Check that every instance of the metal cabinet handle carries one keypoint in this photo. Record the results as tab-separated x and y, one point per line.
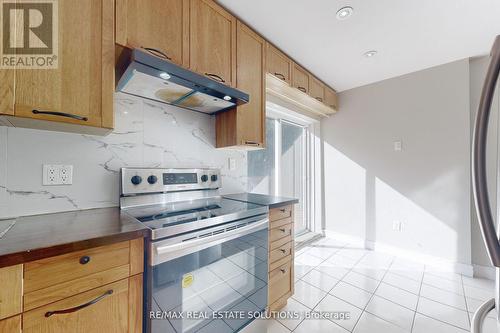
215	76
479	179
61	114
302	89
319	99
79	307
282	229
283	270
84	260
252	143
282	250
157	52
280	76
282	210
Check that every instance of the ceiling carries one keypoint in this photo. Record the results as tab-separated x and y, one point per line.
409	35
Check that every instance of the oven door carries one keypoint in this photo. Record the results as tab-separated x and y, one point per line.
211	281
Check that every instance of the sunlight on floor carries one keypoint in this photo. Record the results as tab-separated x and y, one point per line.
382	293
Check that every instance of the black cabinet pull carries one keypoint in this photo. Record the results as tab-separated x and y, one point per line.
252	143
215	76
280	76
282	250
302	89
79	307
157	52
319	99
282	229
283	270
61	114
282	210
84	260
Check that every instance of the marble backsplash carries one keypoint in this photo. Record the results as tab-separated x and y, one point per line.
147	134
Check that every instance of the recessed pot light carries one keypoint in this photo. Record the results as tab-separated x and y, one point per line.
165	75
370	54
344	12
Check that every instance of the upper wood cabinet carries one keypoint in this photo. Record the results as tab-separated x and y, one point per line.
80	90
300	78
316	89
212	41
160	25
331	98
245	125
278	64
7	91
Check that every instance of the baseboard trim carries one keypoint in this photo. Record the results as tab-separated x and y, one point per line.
433	261
485	272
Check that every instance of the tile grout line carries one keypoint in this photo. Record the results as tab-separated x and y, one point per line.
371	297
418	300
465	300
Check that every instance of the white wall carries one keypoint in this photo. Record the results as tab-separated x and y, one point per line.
426	186
147	134
478	68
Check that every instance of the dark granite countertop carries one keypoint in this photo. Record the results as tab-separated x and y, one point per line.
35	237
262	199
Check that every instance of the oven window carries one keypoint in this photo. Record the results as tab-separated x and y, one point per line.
223	279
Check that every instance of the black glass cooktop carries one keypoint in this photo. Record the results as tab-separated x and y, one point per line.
167	215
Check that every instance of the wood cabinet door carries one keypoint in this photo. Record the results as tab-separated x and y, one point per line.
80	89
11	291
161	25
300	78
250	78
11	325
104	309
212	42
278	64
7	91
331	98
316	89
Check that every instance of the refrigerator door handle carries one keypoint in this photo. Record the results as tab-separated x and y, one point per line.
480	315
479	179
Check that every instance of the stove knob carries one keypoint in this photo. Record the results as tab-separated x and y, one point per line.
204	178
136	180
214	178
152	179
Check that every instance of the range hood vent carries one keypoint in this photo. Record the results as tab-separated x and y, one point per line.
155	78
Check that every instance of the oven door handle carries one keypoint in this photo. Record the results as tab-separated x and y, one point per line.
205	242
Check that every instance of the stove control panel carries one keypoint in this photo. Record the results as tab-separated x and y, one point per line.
156	180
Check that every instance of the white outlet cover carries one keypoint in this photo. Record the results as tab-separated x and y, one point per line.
56	174
398	146
66	174
232	164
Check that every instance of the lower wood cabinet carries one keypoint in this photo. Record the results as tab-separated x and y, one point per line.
93	290
281	257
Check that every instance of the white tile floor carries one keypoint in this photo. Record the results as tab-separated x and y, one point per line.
381	293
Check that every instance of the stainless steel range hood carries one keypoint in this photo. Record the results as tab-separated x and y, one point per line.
155	78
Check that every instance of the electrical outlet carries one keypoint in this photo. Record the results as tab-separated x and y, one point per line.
66	174
396	226
55	174
398	146
232	164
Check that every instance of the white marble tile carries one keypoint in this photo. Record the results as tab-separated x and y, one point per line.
308	294
320	280
474	304
369	323
334	304
479	283
332	270
402	282
478	293
351	294
319	325
391	312
443	296
320	252
374	273
341	261
361	281
445	284
264	326
295	307
397	295
424	324
307	259
445	313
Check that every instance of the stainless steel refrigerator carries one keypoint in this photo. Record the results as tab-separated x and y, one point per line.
480	186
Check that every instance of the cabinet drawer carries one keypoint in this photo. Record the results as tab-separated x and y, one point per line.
280	232
11	291
55	270
103	309
280	213
280	252
280	282
11	325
